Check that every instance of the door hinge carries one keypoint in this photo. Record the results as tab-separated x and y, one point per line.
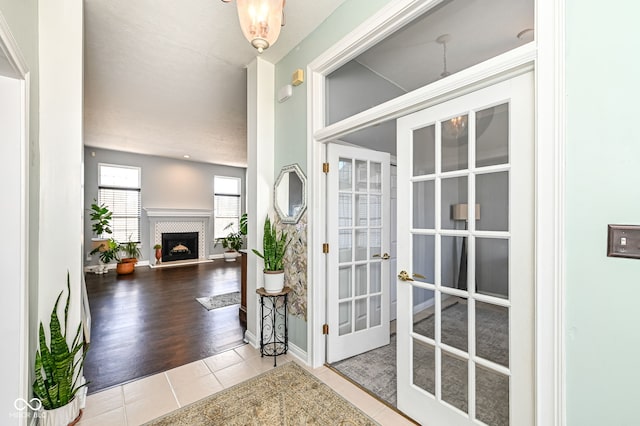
325	167
325	329
325	248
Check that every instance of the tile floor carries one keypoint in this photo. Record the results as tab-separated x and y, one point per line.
145	399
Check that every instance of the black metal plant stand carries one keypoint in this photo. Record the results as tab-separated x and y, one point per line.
274	331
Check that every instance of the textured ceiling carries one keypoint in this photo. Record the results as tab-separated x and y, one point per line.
168	78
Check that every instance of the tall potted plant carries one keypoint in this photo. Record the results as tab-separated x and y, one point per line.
101	217
274	248
58	370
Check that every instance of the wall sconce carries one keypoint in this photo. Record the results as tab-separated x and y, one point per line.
260	21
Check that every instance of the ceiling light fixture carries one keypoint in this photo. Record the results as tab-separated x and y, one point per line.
260	21
186	156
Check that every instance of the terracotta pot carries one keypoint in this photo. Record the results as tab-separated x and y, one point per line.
129	260
123	268
158	256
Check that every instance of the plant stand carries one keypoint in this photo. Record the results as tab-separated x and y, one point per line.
274	332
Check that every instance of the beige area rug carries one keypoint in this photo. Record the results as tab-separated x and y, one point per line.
286	395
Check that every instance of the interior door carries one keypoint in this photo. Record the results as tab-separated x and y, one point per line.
465	284
358	236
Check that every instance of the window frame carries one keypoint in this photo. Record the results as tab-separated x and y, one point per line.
226	194
137	188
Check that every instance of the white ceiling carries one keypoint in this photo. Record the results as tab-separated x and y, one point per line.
168	78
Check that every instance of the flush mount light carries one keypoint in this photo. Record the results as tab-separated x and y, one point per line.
186	156
260	21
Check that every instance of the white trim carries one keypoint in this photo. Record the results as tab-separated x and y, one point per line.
10	49
220	256
298	352
550	215
550	141
503	67
251	339
167	212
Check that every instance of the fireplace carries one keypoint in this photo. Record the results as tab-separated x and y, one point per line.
179	246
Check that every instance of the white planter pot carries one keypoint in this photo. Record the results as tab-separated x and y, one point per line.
273	281
230	256
62	416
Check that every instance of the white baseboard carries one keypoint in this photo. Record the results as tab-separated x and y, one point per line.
219	256
251	339
299	353
424	305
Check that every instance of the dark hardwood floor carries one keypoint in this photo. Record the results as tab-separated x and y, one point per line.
150	321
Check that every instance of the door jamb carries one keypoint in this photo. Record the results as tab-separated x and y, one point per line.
547	55
9	47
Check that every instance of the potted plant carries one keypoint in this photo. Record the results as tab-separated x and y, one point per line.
274	248
158	249
101	217
126	265
58	370
108	252
231	243
131	251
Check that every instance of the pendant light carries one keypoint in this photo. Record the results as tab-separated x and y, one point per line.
260	21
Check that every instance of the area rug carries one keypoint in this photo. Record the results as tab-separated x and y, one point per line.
376	370
285	395
220	301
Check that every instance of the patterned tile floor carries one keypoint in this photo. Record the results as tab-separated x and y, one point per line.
151	397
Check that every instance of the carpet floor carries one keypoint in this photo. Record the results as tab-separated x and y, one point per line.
376	370
286	395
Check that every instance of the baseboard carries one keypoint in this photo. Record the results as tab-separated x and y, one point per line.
299	353
219	256
424	305
251	339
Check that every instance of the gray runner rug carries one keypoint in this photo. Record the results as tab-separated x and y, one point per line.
219	301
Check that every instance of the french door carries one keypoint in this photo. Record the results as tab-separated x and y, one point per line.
358	234
465	258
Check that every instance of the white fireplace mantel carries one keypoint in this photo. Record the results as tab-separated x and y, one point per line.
168	212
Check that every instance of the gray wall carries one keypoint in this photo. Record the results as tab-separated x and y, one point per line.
354	88
166	183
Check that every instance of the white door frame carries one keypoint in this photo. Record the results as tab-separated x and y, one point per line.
17	69
546	56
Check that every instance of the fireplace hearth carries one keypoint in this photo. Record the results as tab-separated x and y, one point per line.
179	246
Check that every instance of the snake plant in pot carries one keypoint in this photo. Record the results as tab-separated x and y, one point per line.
58	370
274	248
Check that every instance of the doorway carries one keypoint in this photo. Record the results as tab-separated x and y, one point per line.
458	317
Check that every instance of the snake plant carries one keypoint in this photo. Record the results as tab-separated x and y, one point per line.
273	247
58	367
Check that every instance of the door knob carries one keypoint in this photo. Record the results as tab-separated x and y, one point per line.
384	256
404	276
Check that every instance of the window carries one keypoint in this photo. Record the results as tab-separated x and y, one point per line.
226	201
119	190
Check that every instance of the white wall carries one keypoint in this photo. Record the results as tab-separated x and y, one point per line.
60	201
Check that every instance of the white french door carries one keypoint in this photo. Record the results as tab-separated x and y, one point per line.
358	236
465	275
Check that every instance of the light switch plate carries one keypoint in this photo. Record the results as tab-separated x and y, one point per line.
624	241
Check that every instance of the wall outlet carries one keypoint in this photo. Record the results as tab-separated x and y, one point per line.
88	257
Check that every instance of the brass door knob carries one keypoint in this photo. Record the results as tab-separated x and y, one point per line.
384	256
404	276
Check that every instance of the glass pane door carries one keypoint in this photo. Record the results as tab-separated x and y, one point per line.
464	240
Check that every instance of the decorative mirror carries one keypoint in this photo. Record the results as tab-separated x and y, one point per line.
290	194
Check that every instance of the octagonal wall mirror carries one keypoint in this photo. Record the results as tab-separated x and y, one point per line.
290	194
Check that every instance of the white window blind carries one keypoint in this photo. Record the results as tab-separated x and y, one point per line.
119	190
227	205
